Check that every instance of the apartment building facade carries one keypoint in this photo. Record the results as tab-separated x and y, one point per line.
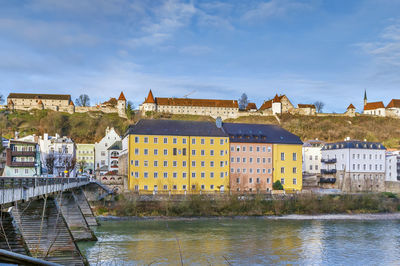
85	155
178	157
22	159
312	156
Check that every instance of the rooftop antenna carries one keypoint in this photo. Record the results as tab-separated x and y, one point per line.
185	96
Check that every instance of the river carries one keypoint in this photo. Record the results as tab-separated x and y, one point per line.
251	241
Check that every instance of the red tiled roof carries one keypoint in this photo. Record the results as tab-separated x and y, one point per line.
306	106
39	96
40	102
111	102
394	103
374	105
266	105
351	106
71	103
150	98
277	99
197	102
122	97
251	106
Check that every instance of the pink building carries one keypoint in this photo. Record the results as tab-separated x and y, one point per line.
251	164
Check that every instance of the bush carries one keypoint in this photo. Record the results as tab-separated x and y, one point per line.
277	185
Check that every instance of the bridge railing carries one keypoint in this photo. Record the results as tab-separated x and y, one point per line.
22	188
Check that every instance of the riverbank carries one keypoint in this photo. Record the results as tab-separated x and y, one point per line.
128	205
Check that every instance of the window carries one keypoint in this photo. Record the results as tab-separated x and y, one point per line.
258	180
183	163
145	175
155	163
193	141
269	149
174	187
184	175
221	174
282	181
212	164
311	167
294	181
202	175
136	187
203	187
212	175
238	170
221	163
145	187
136	139
250	160
212	141
282	170
244	159
146	140
155	140
264	160
155	152
263	149
203	163
136	174
165	140
282	156
238	180
184	151
165	187
294	156
137	163
193	187
212	152
136	151
184	141
258	160
268	180
202	152
174	163
165	151
146	152
165	175
165	163
202	141
174	151
221	141
193	163
174	140
294	170
211	186
250	180
103	153
174	174
221	153
193	152
193	174
155	174
258	149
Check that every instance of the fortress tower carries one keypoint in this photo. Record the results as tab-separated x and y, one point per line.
121	105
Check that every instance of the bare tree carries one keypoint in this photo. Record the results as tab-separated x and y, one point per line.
319	106
243	101
69	162
1	99
49	161
81	165
83	100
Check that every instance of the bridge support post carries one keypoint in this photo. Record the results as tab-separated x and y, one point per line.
84	207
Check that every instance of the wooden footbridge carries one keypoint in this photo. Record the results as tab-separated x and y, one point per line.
41	219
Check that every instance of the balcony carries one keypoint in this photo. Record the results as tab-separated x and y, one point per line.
328	171
22	164
327	180
23	153
329	160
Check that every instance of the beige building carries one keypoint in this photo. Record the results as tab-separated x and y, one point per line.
62	103
207	107
306	109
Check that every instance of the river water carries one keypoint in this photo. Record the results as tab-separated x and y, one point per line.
251	241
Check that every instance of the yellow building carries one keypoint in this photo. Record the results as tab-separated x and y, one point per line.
287	162
178	156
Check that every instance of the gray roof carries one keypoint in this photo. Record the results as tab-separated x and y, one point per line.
176	128
259	133
354	144
116	145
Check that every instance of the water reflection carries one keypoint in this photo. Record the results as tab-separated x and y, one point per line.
252	241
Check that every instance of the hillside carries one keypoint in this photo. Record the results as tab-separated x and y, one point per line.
90	127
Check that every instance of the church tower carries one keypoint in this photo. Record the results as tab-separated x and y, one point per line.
365	98
121	105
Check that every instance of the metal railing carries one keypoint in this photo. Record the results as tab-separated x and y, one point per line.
328	172
333	160
21	188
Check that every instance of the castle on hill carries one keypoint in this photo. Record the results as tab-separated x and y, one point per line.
63	103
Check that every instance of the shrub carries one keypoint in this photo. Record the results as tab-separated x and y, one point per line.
277	185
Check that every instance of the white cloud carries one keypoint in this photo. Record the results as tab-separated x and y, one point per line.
273	8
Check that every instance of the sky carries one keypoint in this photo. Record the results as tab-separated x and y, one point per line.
329	51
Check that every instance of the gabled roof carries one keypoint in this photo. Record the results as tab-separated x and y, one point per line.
122	97
259	133
394	103
197	102
40	102
39	96
306	106
150	98
374	105
251	106
71	103
266	105
175	128
111	102
351	106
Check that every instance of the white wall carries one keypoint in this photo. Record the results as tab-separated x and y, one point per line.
312	160
391	167
101	153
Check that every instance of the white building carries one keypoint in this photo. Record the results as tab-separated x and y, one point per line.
354	165
114	152
101	150
393	108
393	166
375	108
63	150
312	156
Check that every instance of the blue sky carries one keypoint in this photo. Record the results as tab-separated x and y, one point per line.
309	50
